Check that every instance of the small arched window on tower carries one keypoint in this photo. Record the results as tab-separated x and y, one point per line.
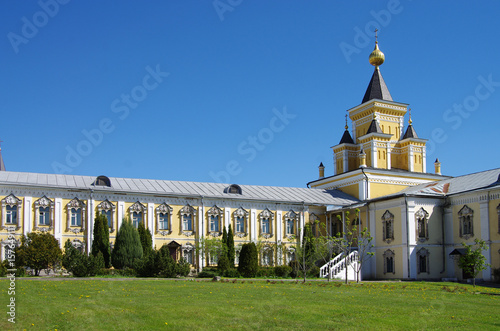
233	189
102	181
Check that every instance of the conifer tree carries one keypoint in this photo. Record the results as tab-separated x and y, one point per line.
146	239
100	242
230	247
128	246
249	261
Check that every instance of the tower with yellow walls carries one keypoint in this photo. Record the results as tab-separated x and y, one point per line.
378	156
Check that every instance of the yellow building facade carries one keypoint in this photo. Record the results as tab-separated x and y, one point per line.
418	219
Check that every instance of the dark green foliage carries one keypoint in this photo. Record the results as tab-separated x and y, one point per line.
128	246
232	273
183	268
295	268
147	266
207	274
79	264
3	268
473	261
313	272
166	265
38	251
248	262
282	271
100	243
146	239
223	263
266	272
224	236
230	247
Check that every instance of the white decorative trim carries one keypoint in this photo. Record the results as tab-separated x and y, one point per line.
466	219
80	206
388	227
106	205
187	210
44	202
240	213
266	214
165	210
11	201
218	214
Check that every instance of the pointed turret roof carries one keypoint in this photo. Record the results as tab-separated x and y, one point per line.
377	88
410	133
374	127
346	138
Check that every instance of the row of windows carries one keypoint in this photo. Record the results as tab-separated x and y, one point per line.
422	261
44	208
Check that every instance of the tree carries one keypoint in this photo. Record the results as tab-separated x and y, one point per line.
146	239
248	263
230	247
473	260
38	251
128	246
348	240
309	251
209	246
100	242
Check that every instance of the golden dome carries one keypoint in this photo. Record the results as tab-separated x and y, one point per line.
376	57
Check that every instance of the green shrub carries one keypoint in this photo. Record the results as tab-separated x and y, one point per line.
313	272
21	272
3	268
207	274
295	268
128	246
266	272
248	262
282	271
167	268
222	263
183	268
232	273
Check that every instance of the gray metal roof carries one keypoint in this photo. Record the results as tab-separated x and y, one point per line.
456	185
377	89
178	188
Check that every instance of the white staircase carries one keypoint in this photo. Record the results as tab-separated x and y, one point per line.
337	266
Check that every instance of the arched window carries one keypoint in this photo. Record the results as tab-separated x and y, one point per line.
267	256
107	209
187	214
44	214
11	209
240	217
421	220
215	215
137	212
389	266
76	215
233	189
291	221
466	226
423	260
163	219
102	181
388	226
266	223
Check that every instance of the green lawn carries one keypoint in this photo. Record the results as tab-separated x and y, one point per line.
152	304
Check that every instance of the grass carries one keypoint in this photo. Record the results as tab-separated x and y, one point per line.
152	304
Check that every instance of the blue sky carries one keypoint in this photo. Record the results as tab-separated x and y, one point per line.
247	92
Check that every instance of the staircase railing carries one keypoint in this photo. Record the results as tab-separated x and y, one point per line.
338	265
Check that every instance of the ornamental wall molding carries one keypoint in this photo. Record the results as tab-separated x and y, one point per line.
106	205
80	206
137	207
187	210
187	233
215	211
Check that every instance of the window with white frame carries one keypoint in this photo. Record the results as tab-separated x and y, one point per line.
188	252
163	219
314	221
266	223
291	221
80	246
267	256
290	255
44	214
466	226
388	226
187	214
76	215
137	212
107	209
214	215
11	207
240	217
421	220
423	261
498	212
389	267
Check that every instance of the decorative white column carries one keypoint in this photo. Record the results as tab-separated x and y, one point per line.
485	235
121	215
200	232
279	224
374	155
227	218
373	231
151	221
448	241
424	159
90	224
346	160
388	152
253	225
410	158
27	215
58	221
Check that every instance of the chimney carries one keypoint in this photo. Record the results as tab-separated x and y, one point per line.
437	167
321	170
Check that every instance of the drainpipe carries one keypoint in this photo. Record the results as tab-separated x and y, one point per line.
407	235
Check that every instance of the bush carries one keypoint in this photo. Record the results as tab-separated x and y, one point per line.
167	268
496	274
21	272
38	251
147	266
128	246
313	272
295	268
222	263
207	274
183	268
282	271
232	273
3	268
266	272
248	262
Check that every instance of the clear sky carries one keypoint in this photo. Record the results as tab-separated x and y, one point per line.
240	91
